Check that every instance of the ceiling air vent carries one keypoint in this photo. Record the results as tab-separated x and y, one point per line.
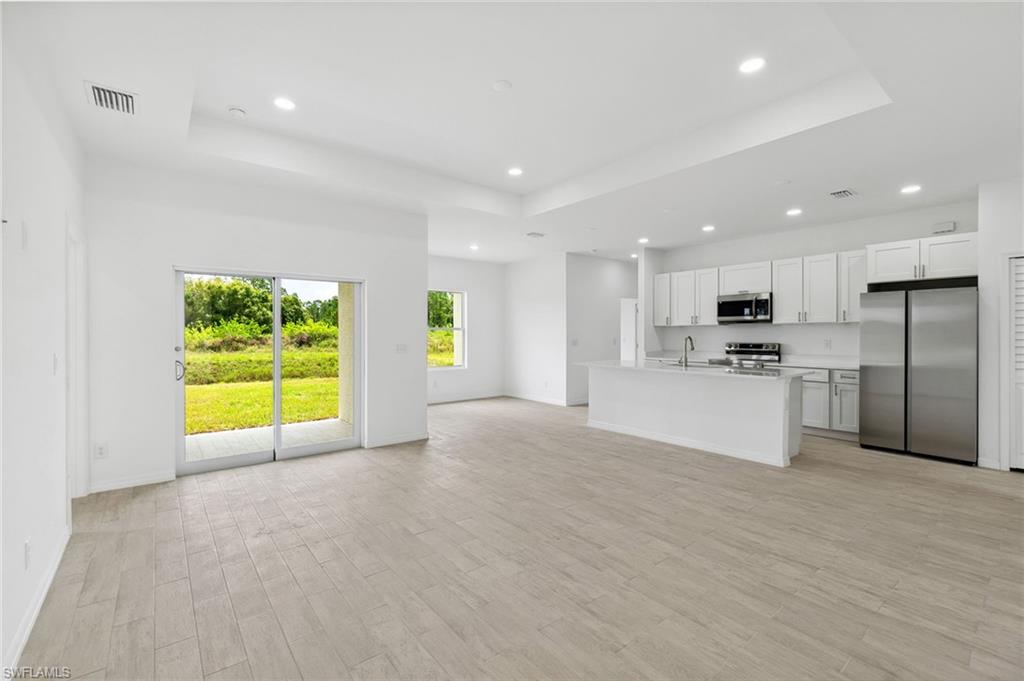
843	194
114	100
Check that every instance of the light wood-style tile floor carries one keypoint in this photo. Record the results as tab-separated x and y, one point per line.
518	544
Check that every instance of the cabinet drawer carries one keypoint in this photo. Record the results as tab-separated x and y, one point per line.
845	376
819	376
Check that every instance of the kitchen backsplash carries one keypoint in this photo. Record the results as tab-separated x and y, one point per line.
796	339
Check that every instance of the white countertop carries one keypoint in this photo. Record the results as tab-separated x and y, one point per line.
847	362
700	369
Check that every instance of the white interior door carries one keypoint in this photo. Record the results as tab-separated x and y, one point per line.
628	316
1017	361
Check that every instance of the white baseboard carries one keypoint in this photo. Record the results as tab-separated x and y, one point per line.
465	397
748	455
132	481
394	440
12	658
539	398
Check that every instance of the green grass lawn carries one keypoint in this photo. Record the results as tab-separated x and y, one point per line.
440	348
229	406
257	364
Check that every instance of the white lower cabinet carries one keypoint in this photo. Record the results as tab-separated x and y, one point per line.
816	404
845	407
831	400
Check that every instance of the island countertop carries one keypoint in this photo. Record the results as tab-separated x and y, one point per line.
702	370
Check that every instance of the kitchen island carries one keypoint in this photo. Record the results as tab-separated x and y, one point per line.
744	413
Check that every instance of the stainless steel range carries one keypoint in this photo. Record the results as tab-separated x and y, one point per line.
750	355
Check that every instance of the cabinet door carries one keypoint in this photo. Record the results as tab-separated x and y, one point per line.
949	255
706	296
754	277
820	281
845	406
682	299
815	404
852	282
788	291
662	299
894	261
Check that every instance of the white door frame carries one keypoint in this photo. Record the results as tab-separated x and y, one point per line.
277	452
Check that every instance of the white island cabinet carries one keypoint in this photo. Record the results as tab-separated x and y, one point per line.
753	416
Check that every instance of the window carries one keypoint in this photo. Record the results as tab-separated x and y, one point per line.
446	335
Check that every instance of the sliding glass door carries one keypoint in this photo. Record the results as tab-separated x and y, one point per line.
265	367
318	351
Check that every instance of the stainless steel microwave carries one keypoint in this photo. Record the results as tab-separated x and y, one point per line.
745	307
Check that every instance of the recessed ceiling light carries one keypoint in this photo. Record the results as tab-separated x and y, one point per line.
793	212
642	240
752	65
708	228
515	171
284	104
911	189
501	85
634	255
236	112
474	247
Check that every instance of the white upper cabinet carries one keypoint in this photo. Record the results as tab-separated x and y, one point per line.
894	261
937	257
662	299
706	297
755	277
853	281
683	307
949	255
804	289
820	288
788	291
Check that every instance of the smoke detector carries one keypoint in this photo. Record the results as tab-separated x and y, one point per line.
843	194
111	99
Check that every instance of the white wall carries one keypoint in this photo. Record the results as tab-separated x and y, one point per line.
1000	234
143	223
484	373
535	329
42	204
805	339
594	287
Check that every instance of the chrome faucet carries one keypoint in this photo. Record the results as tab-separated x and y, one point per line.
685	359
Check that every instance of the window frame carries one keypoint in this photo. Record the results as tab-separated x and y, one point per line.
463	328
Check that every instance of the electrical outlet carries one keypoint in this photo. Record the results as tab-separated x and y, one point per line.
828	343
28	552
101	452
401	348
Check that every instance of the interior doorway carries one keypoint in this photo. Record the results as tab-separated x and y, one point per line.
266	367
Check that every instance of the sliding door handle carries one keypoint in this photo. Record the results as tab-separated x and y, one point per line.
179	370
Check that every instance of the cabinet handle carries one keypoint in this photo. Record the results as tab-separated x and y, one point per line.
915	271
922	271
844	315
835	390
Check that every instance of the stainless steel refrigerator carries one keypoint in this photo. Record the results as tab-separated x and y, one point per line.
919	371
